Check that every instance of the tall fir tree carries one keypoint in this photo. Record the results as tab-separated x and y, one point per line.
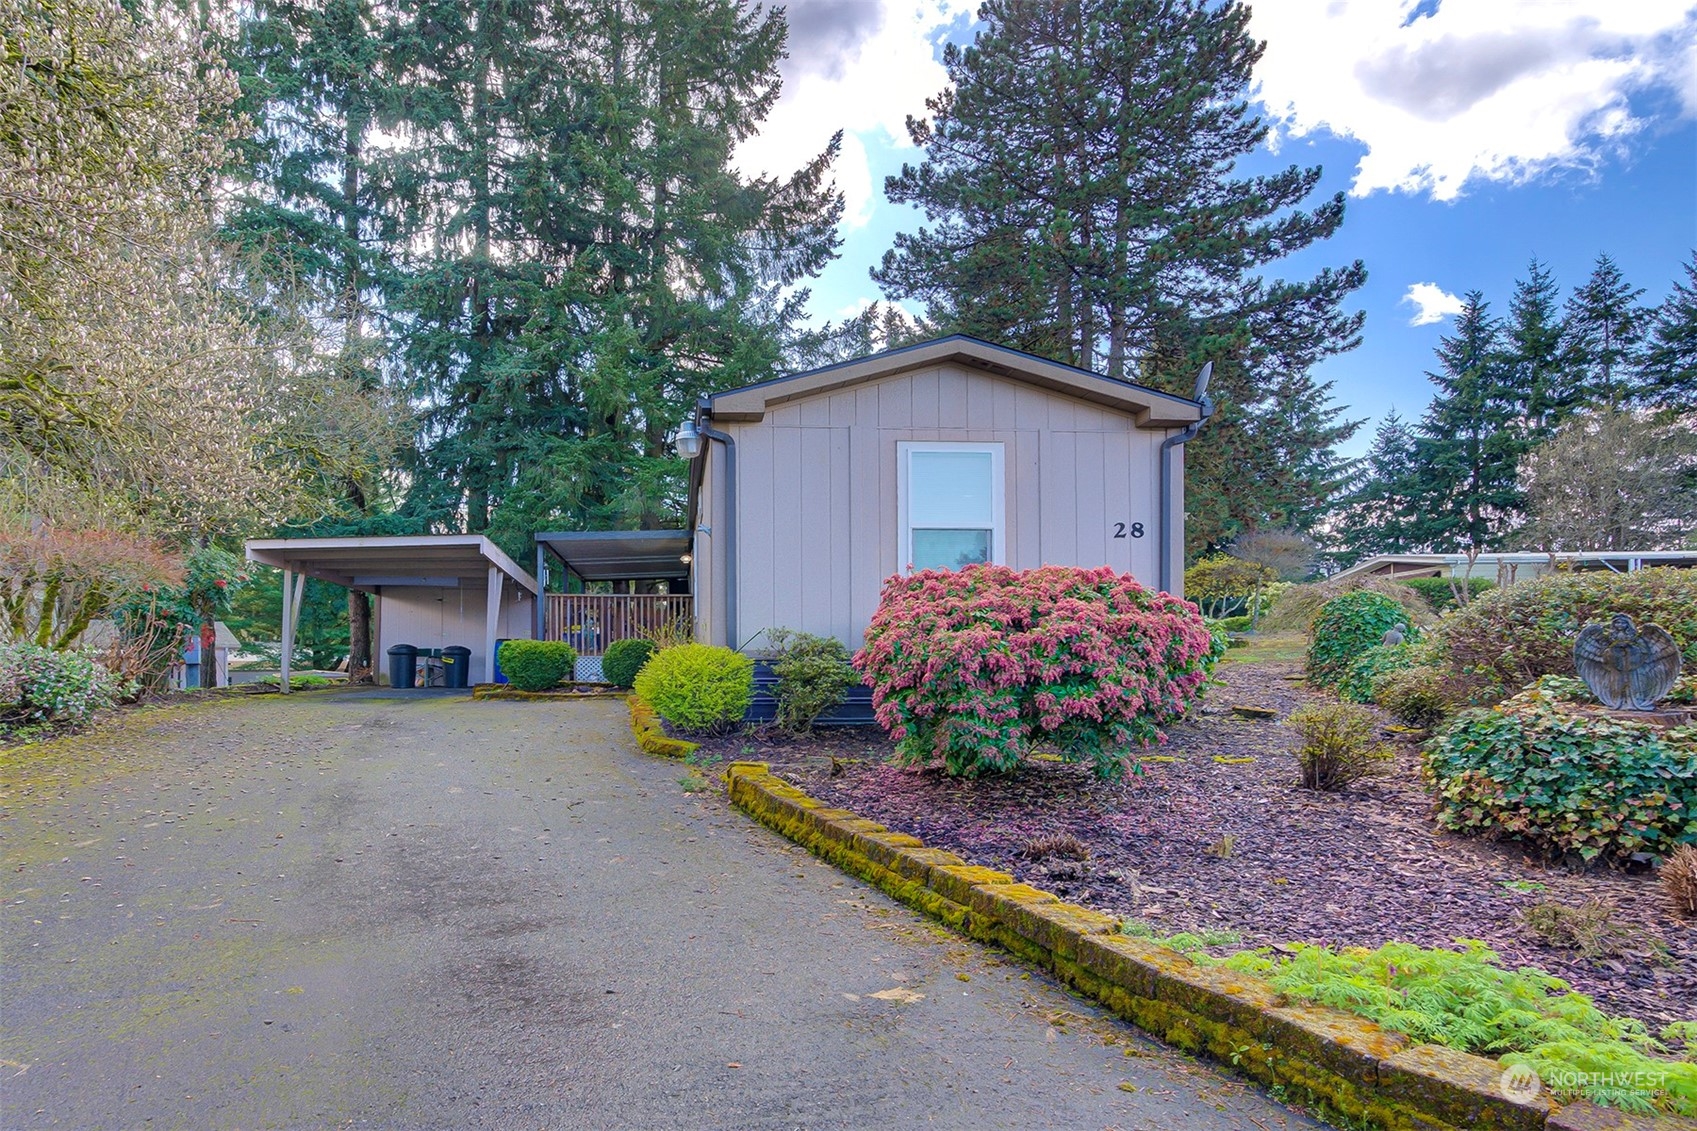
583	260
1079	184
1670	361
1604	333
1377	515
310	203
1467	453
1537	360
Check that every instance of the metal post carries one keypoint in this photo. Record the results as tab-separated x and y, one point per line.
492	624
288	626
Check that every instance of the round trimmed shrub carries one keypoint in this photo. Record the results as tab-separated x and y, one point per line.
697	687
623	659
973	668
1509	637
1346	627
537	665
44	687
1539	769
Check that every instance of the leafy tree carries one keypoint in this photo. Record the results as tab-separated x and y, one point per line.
1670	362
581	260
1078	183
1605	331
1613	480
1221	584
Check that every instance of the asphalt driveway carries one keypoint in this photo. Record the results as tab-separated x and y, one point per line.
345	910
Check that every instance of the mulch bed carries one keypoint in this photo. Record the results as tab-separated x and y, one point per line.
1362	867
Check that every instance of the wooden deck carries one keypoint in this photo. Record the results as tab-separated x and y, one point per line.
591	621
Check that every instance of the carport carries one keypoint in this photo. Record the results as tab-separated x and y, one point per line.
453	588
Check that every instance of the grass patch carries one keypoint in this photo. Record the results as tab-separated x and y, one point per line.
1262	648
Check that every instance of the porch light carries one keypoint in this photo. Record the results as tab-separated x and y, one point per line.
686	558
688	440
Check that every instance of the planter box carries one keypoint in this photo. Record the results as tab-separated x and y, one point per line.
854	711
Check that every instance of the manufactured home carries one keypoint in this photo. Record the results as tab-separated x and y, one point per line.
808	491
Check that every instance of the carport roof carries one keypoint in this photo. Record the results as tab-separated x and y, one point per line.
370	563
621	555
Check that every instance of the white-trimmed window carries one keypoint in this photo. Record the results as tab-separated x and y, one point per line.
950	504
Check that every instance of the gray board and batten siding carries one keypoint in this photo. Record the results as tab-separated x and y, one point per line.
818	526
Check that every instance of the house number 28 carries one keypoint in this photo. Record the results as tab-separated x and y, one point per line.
1120	530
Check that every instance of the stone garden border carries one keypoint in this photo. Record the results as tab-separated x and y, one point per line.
508	691
1348	1063
651	736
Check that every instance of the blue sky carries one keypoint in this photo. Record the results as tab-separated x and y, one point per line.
1471	135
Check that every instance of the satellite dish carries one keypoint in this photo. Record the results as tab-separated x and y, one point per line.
1202	381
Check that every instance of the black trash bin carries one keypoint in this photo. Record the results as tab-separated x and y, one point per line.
456	666
403	665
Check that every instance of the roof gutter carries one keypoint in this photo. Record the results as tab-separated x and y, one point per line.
1168	517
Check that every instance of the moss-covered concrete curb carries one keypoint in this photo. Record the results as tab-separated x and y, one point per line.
507	691
651	736
1350	1064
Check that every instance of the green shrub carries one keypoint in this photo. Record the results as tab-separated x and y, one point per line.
697	687
43	687
537	665
1509	637
1234	624
623	659
1337	746
1414	695
1356	686
814	675
1464	1000
1536	769
1439	592
1346	627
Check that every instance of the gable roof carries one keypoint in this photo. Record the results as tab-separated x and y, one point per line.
1150	407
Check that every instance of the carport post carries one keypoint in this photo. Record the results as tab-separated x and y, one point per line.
491	624
288	627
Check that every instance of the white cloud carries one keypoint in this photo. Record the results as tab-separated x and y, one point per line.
1496	89
1431	304
861	66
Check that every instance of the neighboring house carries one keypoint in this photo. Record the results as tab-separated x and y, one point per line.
810	490
1507	568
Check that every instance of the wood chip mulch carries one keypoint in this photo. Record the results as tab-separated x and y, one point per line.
1215	833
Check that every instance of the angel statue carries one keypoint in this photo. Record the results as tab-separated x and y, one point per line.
1626	667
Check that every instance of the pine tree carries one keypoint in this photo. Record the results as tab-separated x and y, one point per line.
310	203
1538	365
585	262
1377	515
1078	180
1605	330
1670	362
1470	441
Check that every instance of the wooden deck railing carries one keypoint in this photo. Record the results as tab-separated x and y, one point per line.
591	621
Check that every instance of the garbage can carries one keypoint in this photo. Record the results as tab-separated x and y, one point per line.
500	676
403	665
456	666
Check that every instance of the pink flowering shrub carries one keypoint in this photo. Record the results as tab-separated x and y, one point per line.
974	668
